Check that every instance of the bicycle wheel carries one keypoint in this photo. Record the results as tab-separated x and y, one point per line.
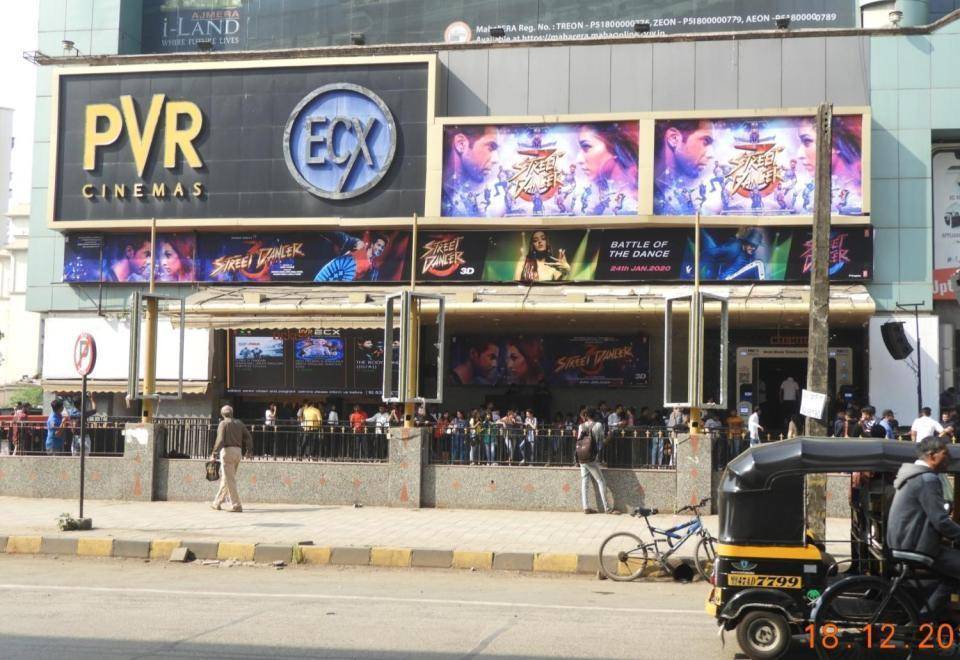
704	556
623	557
846	609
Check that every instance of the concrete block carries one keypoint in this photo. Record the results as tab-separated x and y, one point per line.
202	549
555	563
58	545
312	554
432	558
238	551
266	553
23	545
513	561
131	549
181	554
350	556
588	563
94	547
469	559
161	549
392	557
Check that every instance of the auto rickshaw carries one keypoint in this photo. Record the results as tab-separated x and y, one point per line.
769	573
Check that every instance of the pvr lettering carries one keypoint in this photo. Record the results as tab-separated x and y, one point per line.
106	123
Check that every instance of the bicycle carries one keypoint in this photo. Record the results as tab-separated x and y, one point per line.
624	556
862	615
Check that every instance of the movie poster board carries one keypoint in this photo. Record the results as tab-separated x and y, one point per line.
563	361
753	166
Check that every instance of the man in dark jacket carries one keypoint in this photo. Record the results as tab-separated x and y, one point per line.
919	517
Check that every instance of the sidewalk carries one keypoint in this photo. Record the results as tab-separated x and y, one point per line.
484	532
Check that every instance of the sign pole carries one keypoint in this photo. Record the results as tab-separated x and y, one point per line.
150	318
819	330
83	444
84	359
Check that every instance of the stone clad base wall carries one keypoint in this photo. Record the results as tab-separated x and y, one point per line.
58	477
279	482
542	488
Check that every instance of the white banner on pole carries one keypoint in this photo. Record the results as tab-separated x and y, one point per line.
812	404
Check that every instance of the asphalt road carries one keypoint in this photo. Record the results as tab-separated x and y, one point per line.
110	608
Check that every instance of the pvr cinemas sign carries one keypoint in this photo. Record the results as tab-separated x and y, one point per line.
139	132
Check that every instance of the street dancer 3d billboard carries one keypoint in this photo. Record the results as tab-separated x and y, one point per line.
524	170
753	166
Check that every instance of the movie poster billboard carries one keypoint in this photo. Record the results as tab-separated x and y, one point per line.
306	361
360	256
753	166
125	258
258	361
946	222
648	254
600	361
519	360
527	170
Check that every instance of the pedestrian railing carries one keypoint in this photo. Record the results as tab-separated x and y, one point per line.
627	447
195	437
102	438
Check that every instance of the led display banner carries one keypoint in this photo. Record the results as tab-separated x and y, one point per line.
489	360
499	171
289	257
752	166
180	25
754	254
306	361
273	141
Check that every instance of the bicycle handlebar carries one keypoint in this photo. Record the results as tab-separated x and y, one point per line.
693	507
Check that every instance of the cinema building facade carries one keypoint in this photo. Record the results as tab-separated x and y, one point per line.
548	190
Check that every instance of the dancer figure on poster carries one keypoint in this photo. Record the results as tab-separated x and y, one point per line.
538	262
357	261
733	259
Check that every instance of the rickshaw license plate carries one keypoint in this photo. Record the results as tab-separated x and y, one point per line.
776	581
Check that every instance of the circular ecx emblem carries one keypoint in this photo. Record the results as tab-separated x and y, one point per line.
340	141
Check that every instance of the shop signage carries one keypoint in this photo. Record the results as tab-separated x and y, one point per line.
276	141
340	141
946	222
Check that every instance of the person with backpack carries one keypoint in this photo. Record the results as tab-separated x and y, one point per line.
590	437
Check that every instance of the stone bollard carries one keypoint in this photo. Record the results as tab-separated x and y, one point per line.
407	458
140	456
694	456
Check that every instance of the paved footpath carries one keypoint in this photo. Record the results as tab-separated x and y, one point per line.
192	523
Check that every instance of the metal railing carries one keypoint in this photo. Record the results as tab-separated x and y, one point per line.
629	447
195	437
102	438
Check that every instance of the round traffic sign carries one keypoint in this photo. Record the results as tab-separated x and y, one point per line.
85	354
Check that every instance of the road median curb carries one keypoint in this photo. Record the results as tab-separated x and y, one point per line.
266	553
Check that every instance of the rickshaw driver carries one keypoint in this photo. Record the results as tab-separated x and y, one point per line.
919	520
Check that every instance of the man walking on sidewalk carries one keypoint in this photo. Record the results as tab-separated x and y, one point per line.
589	465
233	440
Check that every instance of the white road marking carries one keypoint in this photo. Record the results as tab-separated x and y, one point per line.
380	599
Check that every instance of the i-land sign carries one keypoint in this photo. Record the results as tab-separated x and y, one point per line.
340	140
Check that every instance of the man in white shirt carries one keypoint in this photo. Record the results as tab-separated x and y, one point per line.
925	426
789	395
381	420
754	428
333	418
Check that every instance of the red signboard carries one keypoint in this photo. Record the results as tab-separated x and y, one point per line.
85	354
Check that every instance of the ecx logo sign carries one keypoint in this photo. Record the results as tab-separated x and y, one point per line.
340	141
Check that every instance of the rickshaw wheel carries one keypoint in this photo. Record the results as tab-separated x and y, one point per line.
849	606
623	557
763	635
